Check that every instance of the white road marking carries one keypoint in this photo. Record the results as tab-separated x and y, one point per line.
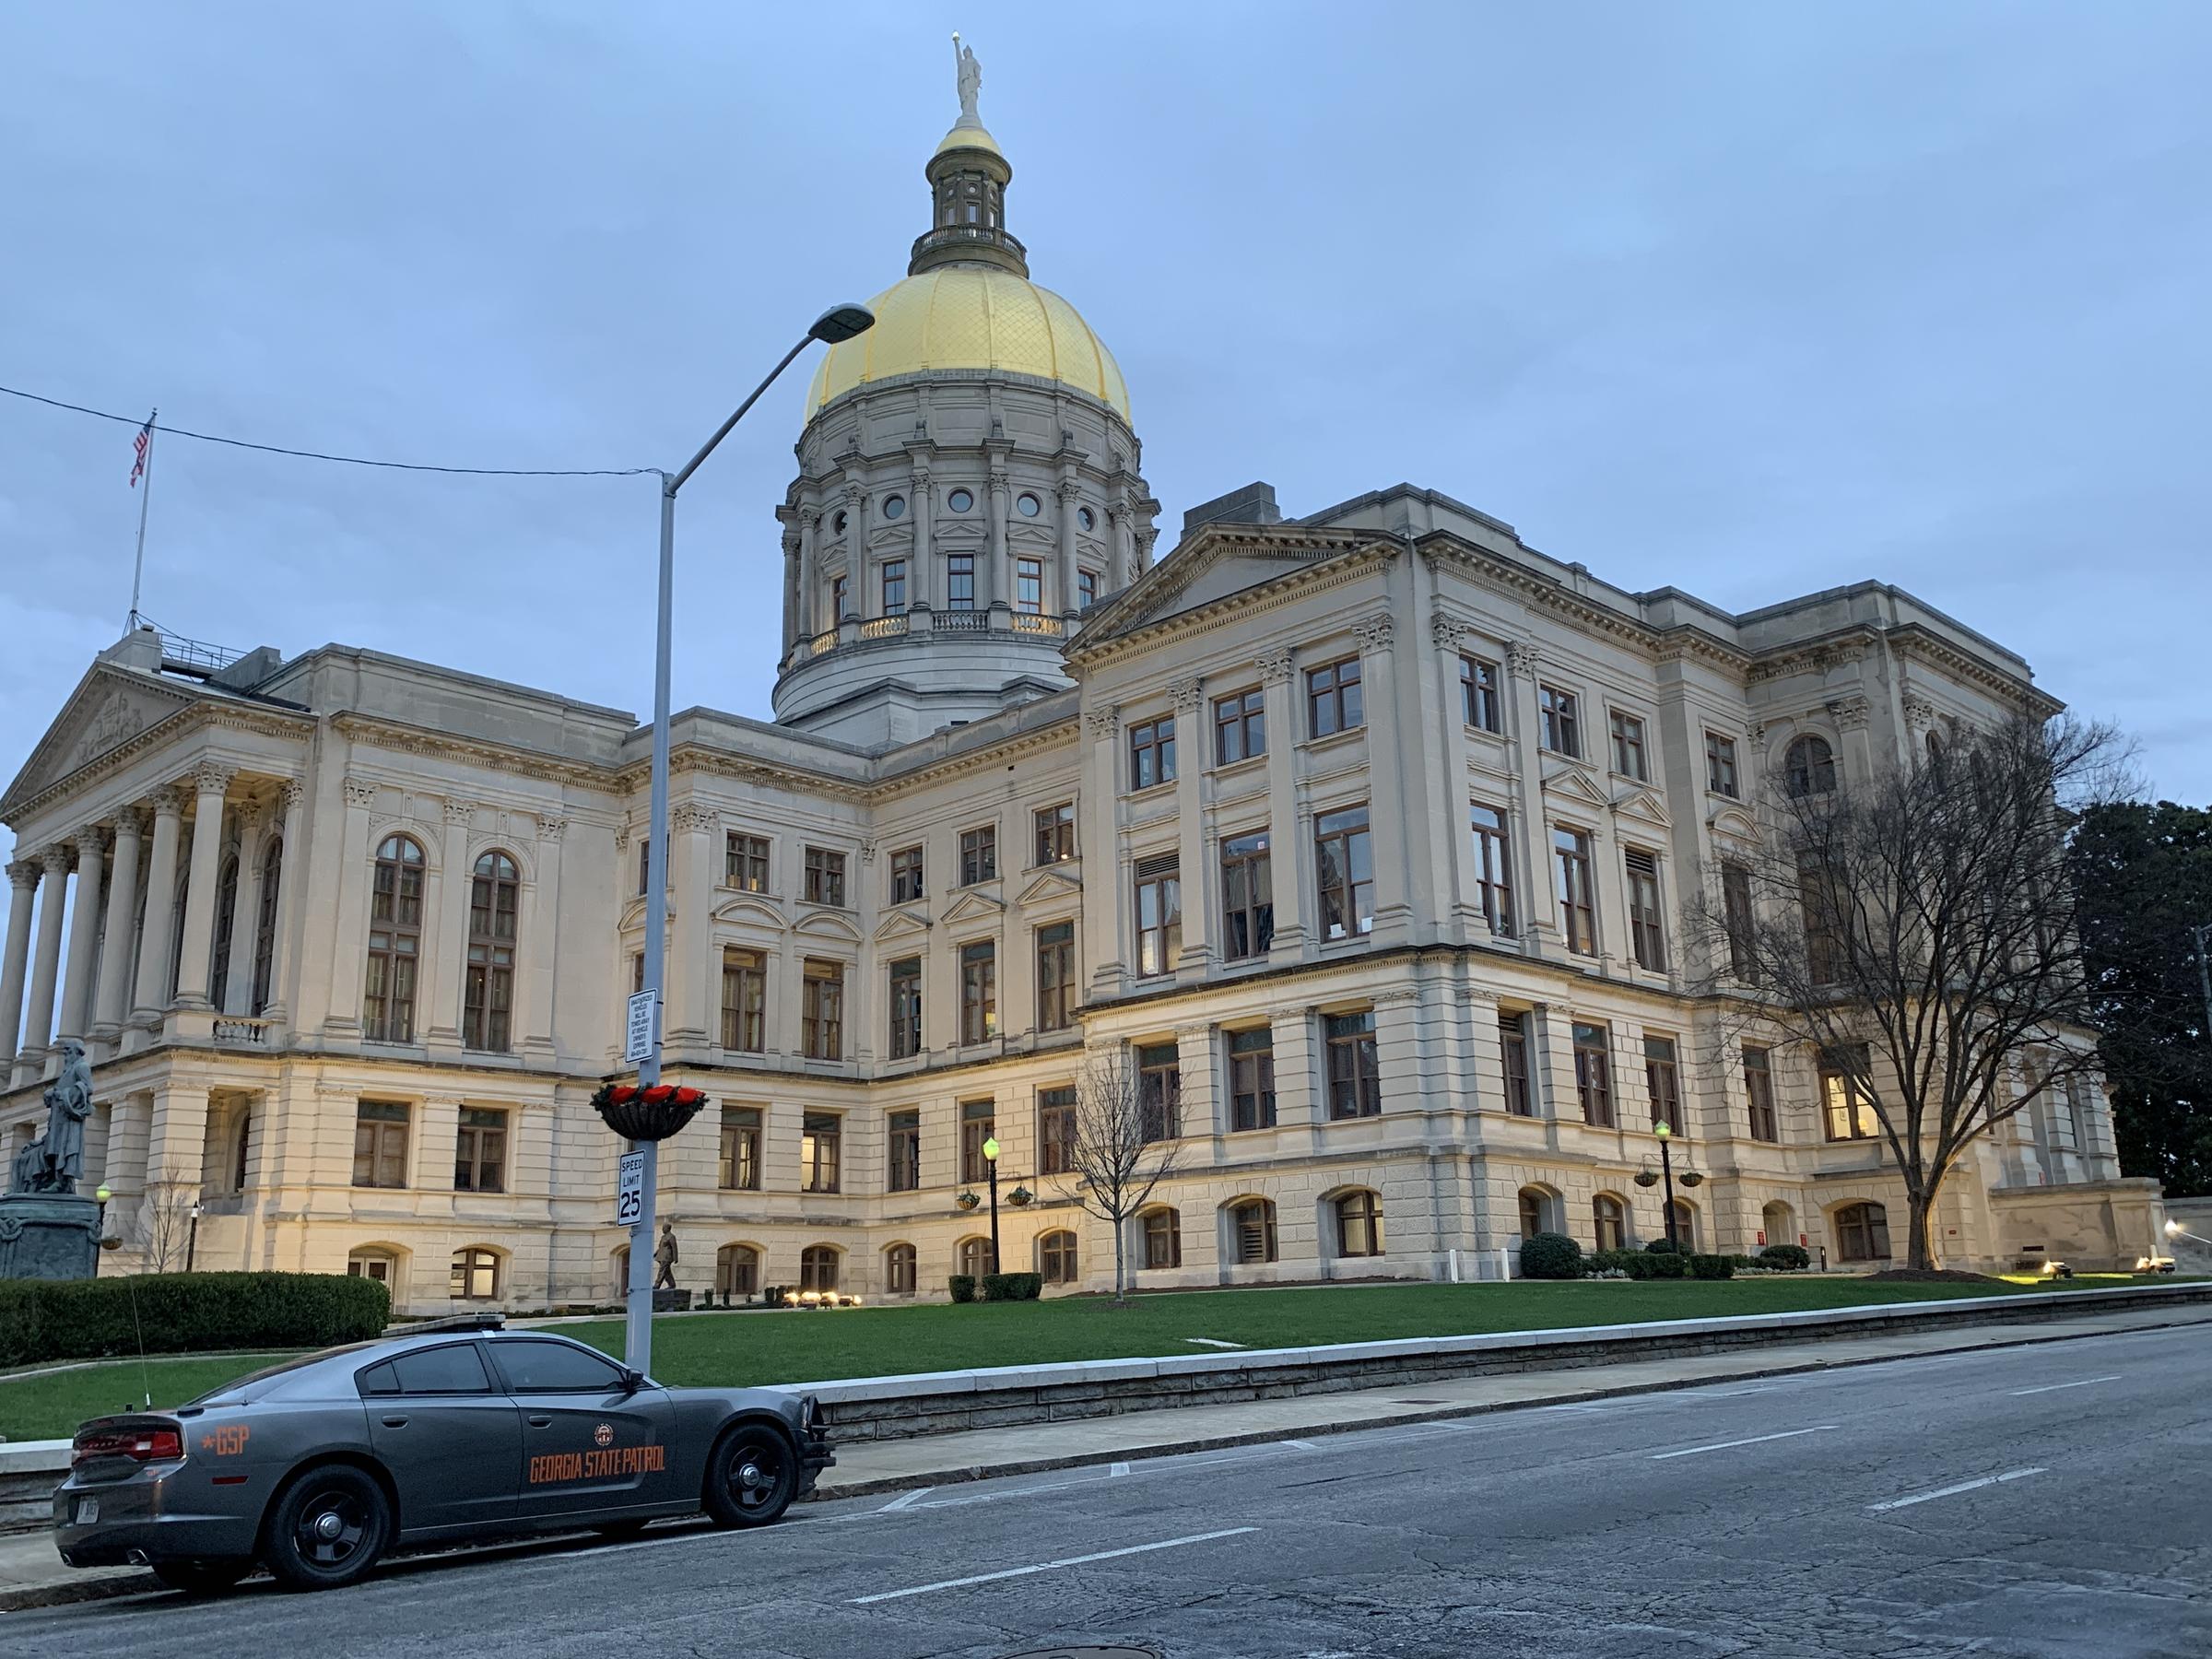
1102	1555
1732	1394
1952	1491
2050	1387
1754	1440
1575	1407
1302	1445
904	1498
1118	1469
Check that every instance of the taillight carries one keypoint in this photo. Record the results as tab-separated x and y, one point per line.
142	1446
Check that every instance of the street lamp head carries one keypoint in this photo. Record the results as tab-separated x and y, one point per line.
2174	1229
102	1193
842	322
1661	1131
990	1149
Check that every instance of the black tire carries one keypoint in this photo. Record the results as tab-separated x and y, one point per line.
752	1478
202	1577
328	1529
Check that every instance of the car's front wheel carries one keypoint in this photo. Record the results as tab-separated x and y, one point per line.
202	1577
752	1476
329	1528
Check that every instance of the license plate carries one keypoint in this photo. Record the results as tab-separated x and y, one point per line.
88	1512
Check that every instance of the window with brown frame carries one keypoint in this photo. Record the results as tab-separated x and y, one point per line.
480	1152
264	924
1513	1038
1594	1075
739	1169
1344	870
1252	1079
1561	718
817	1267
1479	698
1355	1076
488	986
474	1276
1863	1233
959	579
1823	913
823	1009
1662	1082
1164	1239
1533	1205
1334	699
901	1269
1735	920
744	1001
1359	1224
824	877
1647	917
738	1271
1159	1092
1578	904
821	1142
839	600
1057	1257
1608	1216
1240	726
1628	748
906	876
1056	976
1028	586
1719	765
978	991
1847	1111
894	587
395	942
1151	753
1247	898
1055	826
1158	914
745	862
1086	589
904	1159
1493	866
979	854
1808	767
226	912
1759	1089
380	1144
978	1121
1252	1231
1055	1131
906	1008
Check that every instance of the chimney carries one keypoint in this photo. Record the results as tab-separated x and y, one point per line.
1254	504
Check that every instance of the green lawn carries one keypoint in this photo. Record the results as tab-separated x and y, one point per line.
797	1346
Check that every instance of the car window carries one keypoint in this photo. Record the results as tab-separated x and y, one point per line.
452	1370
378	1379
540	1367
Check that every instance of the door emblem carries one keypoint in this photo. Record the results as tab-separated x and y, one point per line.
604	1435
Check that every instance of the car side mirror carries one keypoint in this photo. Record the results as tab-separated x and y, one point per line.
632	1380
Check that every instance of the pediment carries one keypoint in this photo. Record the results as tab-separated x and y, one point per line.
1572	780
1641	806
750	911
1222	561
1734	822
973	905
1047	884
109	708
902	924
830	924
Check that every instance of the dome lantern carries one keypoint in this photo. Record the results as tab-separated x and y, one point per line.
968	177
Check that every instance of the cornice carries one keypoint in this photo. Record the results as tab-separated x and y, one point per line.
187	719
396	738
1351	561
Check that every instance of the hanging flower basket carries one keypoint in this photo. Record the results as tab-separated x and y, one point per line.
1647	1177
1020	1196
1691	1178
966	1201
647	1114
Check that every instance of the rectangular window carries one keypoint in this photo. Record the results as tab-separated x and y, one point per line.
1719	764
1251	1079
1163	1240
1758	1087
1663	1079
824	877
1824	954
1479	694
1055	1131
1627	747
1594	1075
1343	861
906	876
976	1119
1578	907
1355	1082
1159	1092
959	582
836	600
903	1166
1056	977
979	854
979	992
894	587
380	1144
644	864
906	1008
1493	870
1247	898
744	1001
821	1143
1332	698
744	862
1158	914
1513	1037
1152	753
1240	726
1028	586
1846	1110
1562	722
1086	589
1647	926
1055	833
481	1152
740	1167
1736	917
823	1009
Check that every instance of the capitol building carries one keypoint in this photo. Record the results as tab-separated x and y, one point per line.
1361	832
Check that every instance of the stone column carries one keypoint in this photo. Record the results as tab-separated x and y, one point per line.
1069	493
922	569
245	917
1531	849
1289	830
84	935
1105	897
292	800
445	940
791	590
113	991
212	784
157	944
1202	1105
177	1139
541	943
22	888
1391	826
690	856
1194	845
354	880
810	605
999	584
38	1030
1464	892
856	551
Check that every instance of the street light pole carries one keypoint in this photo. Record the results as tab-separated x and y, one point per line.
839	322
192	1236
991	1164
2204	971
1666	1172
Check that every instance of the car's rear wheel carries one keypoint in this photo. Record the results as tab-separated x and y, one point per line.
752	1476
330	1527
202	1577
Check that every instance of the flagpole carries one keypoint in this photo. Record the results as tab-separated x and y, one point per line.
146	497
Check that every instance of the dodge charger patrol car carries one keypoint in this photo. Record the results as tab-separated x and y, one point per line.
454	1431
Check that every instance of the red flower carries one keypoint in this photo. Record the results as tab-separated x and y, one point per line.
688	1097
621	1094
658	1094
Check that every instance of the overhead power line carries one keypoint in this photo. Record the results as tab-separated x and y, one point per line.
302	455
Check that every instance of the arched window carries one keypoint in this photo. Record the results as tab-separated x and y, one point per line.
1686	1223
1252	1231
1163	1238
817	1267
395	942
264	924
226	915
475	1275
1536	1212
1809	767
898	1267
973	1257
1934	746
176	927
1057	1257
372	1262
241	1147
619	1272
488	999
1863	1233
738	1271
1608	1218
1359	1224
1779	1222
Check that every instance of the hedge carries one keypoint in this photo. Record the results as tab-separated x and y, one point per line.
1712	1266
185	1312
962	1286
1641	1263
1789	1257
1550	1256
1012	1287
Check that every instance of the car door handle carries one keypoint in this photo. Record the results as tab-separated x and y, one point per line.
541	1422
395	1422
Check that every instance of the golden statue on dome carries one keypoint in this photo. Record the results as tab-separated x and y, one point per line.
969	76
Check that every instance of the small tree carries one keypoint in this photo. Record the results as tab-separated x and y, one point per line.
1115	1152
1919	931
164	1229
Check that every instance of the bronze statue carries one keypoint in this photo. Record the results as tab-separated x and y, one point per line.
55	1161
664	1258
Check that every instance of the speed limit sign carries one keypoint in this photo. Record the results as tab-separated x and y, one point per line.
629	1189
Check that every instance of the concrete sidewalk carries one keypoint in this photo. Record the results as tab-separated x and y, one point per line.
32	1575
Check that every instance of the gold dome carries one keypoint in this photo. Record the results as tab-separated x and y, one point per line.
964	136
966	317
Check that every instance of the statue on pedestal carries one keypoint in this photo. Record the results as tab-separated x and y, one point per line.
969	76
46	1230
55	1161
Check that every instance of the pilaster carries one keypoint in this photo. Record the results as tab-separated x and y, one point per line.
353	880
445	936
1288	824
291	874
1197	875
1390	822
693	829
1106	896
1530	850
542	941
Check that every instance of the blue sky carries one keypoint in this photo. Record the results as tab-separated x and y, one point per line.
1753	300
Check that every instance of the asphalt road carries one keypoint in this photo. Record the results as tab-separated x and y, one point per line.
2050	1500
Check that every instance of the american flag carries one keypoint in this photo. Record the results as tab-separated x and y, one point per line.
140	445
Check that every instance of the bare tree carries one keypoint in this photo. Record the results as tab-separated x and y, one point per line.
164	1229
1917	933
1118	1149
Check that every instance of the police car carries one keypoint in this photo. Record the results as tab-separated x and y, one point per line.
452	1430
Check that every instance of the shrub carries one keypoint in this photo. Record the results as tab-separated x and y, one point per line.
1712	1266
1793	1257
1012	1287
962	1286
1550	1256
1668	1264
185	1312
775	1296
1663	1246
